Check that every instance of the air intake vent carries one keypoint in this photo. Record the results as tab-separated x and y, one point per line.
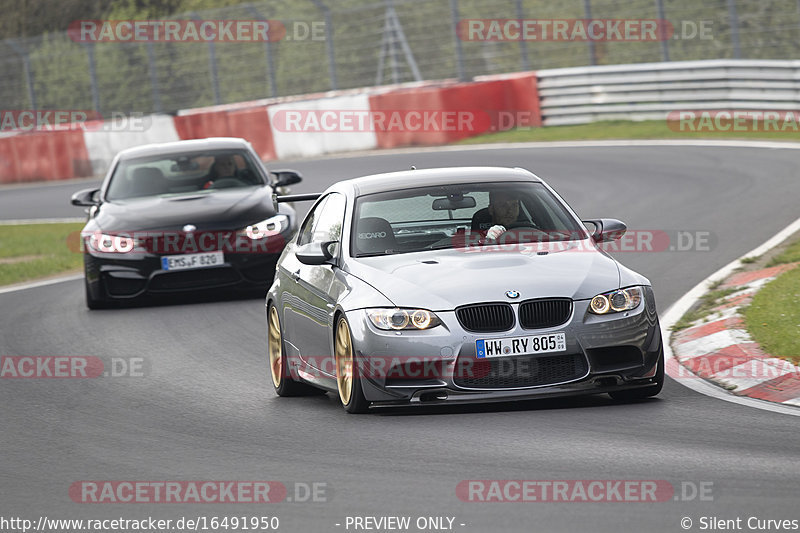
523	371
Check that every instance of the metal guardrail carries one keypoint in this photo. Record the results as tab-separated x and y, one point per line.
651	90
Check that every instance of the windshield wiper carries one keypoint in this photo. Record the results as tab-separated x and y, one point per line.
374	254
442	246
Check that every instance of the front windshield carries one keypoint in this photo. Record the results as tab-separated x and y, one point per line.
457	216
183	173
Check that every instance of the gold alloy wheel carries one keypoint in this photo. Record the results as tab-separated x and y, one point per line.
344	361
275	347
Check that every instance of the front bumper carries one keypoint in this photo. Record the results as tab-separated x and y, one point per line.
116	276
603	354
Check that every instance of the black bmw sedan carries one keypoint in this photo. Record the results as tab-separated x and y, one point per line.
183	216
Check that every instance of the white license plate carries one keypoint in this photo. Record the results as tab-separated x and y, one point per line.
488	348
186	261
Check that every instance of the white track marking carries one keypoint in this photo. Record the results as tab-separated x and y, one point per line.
43	283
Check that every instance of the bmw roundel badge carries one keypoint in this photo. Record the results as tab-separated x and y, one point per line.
512	294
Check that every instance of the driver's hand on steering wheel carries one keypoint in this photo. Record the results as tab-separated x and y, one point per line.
495	231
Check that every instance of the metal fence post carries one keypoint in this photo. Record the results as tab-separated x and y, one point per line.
151	68
734	18
663	36
523	45
462	76
26	67
587	8
326	12
273	85
212	65
93	76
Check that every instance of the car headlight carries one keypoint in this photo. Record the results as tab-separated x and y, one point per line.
109	244
616	301
266	228
398	319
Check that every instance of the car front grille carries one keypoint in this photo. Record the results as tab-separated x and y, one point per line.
516	372
545	313
485	318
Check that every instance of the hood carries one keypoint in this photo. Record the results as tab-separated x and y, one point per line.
444	279
215	210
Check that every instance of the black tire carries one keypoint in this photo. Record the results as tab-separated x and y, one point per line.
644	392
279	373
348	379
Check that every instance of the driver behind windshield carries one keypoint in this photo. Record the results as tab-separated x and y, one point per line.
504	210
224	166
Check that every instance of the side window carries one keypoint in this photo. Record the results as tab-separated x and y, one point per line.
306	232
328	226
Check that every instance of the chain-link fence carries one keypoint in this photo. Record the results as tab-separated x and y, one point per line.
359	43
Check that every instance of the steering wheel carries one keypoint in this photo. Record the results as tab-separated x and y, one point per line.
523	224
227	183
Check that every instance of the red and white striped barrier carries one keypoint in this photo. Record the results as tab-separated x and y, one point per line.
43	156
428	113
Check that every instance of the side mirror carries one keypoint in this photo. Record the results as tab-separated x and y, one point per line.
286	177
86	197
315	253
606	229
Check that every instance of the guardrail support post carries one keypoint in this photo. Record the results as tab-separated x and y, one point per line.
587	8
663	37
26	67
462	76
153	71
212	65
523	45
326	12
273	84
734	18
93	77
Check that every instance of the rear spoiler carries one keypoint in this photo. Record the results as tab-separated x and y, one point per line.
293	198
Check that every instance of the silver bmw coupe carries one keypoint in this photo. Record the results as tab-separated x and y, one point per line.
453	285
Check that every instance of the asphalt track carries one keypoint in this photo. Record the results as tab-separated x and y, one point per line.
205	409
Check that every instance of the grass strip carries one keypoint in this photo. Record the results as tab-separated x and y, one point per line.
703	307
33	251
773	317
623	129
